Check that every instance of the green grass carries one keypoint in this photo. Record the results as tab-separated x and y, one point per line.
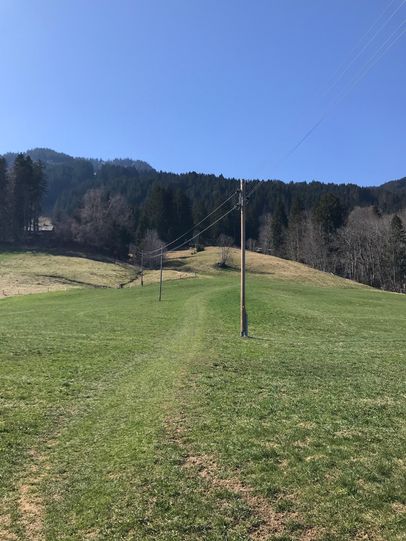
125	418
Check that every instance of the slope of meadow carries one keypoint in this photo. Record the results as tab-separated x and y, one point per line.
126	418
205	262
32	272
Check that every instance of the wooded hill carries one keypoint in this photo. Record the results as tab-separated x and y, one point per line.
350	230
68	178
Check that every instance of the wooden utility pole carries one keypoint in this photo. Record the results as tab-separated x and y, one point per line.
142	268
160	276
244	319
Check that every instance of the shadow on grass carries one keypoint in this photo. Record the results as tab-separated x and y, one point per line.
64	280
258	338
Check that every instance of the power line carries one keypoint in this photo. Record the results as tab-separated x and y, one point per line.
378	55
345	67
384	48
197	234
367	68
147	252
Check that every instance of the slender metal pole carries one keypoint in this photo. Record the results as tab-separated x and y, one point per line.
244	319
142	268
160	277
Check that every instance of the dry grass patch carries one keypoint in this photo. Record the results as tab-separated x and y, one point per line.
205	263
30	272
152	276
272	522
5	528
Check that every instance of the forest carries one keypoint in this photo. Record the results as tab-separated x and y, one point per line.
22	188
355	232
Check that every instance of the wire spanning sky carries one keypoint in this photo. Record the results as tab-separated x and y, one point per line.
215	86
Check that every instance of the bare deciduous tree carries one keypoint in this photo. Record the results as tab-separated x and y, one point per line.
265	233
150	245
103	222
225	242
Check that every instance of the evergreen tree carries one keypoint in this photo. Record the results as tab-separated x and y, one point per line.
397	254
37	191
22	179
4	200
329	213
28	186
183	213
295	231
199	212
278	229
159	213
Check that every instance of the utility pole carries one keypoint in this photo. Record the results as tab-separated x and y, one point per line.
142	268
244	319
160	276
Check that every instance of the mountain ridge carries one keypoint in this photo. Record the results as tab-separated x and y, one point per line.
70	177
52	157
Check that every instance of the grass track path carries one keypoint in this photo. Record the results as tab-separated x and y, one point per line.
125	418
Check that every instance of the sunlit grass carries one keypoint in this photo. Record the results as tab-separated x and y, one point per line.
126	418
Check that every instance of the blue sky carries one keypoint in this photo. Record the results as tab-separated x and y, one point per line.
216	86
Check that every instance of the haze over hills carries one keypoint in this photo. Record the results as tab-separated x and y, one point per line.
52	157
66	172
69	177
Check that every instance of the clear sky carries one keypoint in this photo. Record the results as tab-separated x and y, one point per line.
216	86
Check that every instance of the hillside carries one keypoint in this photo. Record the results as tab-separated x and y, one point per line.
395	185
51	157
66	173
205	263
29	272
32	272
69	178
126	418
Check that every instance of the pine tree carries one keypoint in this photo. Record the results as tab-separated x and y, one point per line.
37	191
329	213
397	254
183	213
199	212
22	176
279	224
4	200
295	230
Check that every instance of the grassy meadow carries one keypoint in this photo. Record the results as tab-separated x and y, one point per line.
22	273
122	418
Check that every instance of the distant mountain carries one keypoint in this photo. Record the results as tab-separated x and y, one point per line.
69	178
127	162
395	185
66	173
51	157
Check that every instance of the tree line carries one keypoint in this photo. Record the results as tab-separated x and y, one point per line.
357	242
22	188
362	244
349	230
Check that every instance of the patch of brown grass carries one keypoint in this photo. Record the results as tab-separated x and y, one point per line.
30	272
152	276
30	501
5	528
205	263
271	521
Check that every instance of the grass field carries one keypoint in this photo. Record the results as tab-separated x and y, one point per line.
22	273
127	419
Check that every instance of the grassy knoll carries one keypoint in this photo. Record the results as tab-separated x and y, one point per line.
125	418
33	272
205	263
